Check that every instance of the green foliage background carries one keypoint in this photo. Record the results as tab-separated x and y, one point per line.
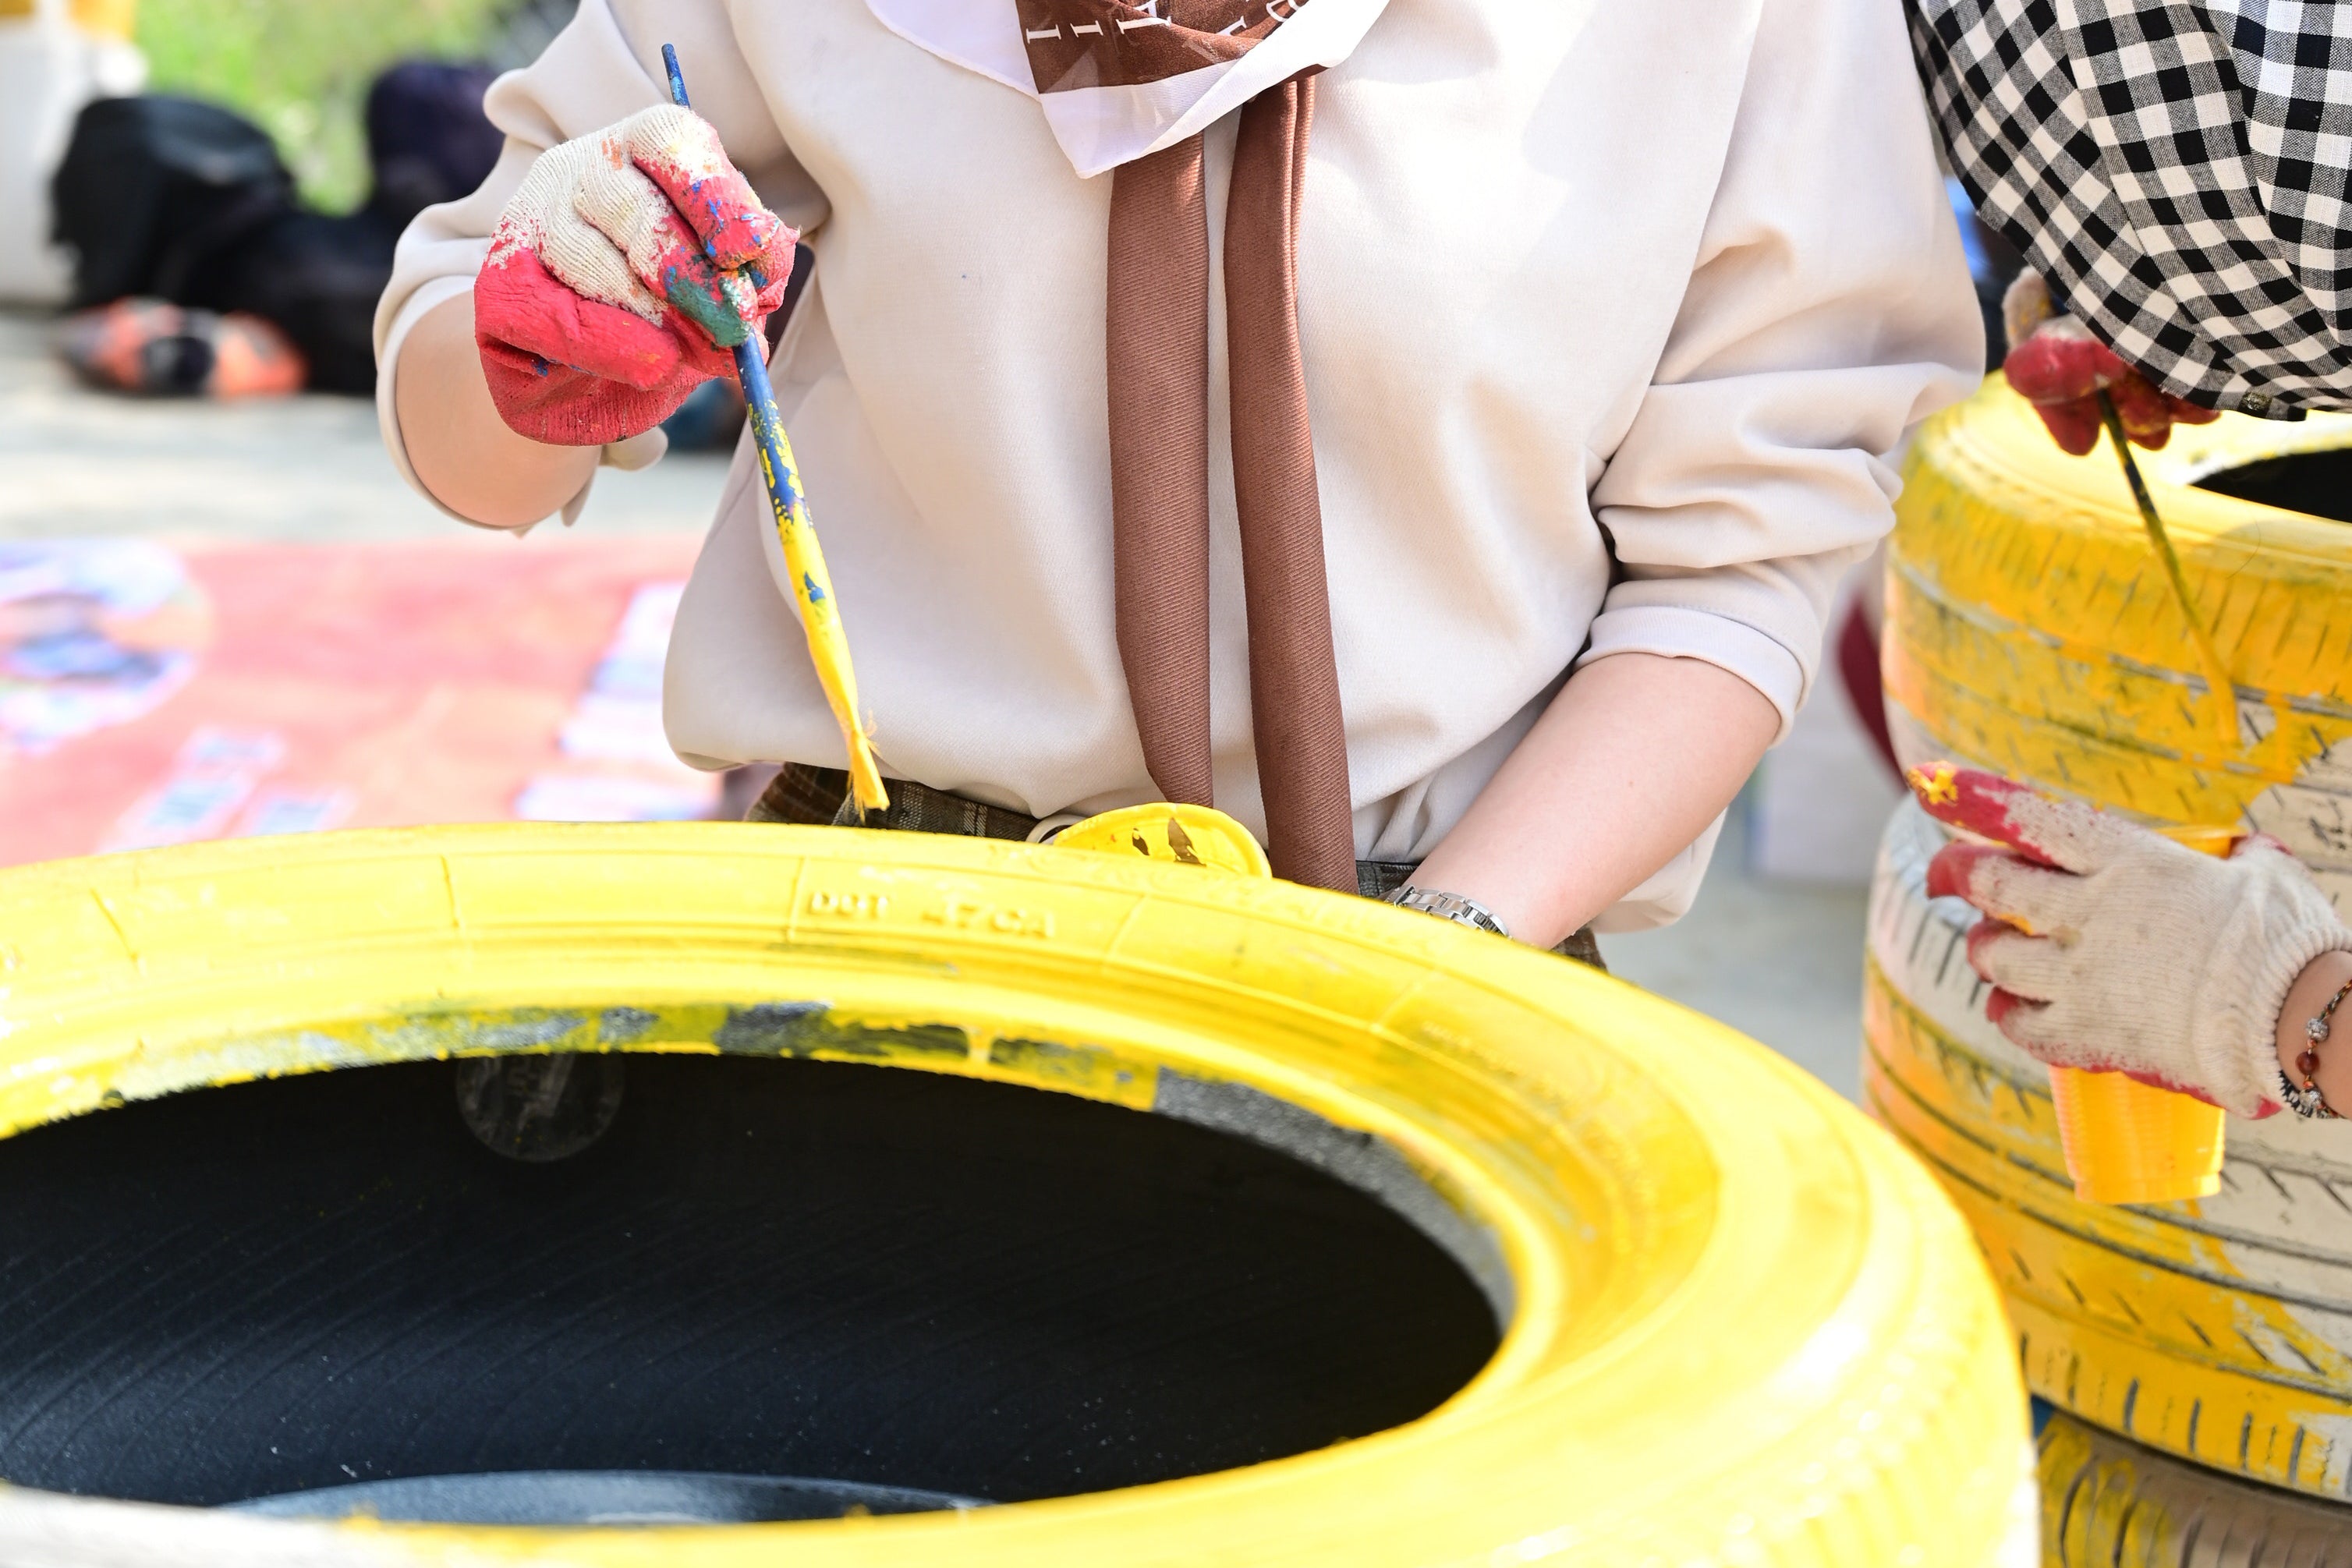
301	68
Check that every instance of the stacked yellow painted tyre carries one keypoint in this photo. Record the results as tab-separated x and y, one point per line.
1742	1327
2110	1503
2029	632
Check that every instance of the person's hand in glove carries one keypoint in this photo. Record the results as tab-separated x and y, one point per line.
2056	365
2113	949
621	273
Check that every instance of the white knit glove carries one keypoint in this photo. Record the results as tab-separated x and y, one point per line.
624	269
2114	950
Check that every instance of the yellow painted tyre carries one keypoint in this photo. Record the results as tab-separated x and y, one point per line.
2218	1330
2030	629
2107	1502
1742	1327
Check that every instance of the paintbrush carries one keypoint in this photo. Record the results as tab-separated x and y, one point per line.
2217	674
803	559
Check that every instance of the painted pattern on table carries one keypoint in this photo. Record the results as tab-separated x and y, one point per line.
152	694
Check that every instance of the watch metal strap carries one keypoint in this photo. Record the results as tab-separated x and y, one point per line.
1448	907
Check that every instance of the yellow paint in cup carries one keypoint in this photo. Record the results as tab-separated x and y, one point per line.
2126	1141
2129	1143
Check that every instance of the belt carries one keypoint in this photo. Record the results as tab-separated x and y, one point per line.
811	796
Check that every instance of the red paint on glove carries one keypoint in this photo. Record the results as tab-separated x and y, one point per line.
620	276
2108	948
571	373
2008	813
2061	368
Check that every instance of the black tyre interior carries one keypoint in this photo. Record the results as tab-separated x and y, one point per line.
851	1277
2317	483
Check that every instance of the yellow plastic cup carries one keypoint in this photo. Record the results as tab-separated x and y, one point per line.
2129	1143
2126	1141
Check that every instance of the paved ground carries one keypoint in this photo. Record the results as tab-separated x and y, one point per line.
308	468
1779	960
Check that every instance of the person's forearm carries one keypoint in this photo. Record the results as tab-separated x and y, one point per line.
1628	765
460	449
2320	979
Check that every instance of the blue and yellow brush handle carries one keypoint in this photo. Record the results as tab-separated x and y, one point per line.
803	557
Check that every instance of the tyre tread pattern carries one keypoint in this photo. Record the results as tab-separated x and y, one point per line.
2107	1502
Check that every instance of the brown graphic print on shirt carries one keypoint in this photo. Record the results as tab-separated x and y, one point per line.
1078	44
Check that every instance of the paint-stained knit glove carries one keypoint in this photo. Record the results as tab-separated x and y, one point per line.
2056	365
620	275
2113	949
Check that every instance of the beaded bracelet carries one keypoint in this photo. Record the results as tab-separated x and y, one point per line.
2306	1100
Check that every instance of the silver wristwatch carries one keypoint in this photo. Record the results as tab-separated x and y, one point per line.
1448	907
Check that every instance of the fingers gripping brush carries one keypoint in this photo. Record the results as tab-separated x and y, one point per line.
803	559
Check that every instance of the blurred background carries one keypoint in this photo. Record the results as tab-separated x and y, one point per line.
222	613
257	158
301	69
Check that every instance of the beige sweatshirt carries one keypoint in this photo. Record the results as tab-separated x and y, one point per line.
1573	273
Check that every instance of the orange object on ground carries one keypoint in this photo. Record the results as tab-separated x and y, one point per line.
154	348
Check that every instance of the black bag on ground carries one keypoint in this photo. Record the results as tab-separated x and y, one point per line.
153	190
317	279
189	202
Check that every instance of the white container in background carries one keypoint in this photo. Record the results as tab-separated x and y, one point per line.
51	63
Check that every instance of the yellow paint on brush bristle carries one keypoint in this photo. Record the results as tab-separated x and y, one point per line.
820	612
1740	1325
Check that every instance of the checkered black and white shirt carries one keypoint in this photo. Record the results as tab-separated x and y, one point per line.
2177	170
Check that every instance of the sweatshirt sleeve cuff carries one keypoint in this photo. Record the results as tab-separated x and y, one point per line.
430	295
1677	631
